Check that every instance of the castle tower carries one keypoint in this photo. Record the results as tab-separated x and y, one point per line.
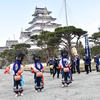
42	21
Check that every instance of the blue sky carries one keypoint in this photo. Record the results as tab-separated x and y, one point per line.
15	14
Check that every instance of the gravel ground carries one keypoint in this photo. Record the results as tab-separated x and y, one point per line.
84	87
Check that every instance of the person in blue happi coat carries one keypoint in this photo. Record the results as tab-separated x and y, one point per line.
86	62
56	67
50	63
72	66
78	64
90	65
96	60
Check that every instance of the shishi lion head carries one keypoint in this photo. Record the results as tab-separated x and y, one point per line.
74	51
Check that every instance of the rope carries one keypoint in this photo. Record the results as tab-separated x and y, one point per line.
69	13
59	18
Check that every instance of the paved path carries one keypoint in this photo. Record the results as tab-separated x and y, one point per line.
84	87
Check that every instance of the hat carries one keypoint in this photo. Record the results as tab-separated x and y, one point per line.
20	55
64	51
94	55
36	55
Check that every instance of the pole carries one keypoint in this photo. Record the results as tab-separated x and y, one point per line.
66	14
14	36
22	33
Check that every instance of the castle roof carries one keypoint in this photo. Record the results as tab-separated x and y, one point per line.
47	24
25	34
37	30
11	42
3	48
42	18
41	11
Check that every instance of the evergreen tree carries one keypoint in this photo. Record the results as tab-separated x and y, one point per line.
95	50
69	33
48	41
81	50
95	38
9	55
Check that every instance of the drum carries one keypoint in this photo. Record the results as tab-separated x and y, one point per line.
66	69
17	78
39	74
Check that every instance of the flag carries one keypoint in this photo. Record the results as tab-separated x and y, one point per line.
87	49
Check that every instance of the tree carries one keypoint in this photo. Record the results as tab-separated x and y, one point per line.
95	50
41	42
81	50
42	55
48	41
79	32
23	47
9	55
53	42
67	35
95	38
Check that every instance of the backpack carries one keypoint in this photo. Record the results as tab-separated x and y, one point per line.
51	62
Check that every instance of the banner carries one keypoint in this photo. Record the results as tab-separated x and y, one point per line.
87	49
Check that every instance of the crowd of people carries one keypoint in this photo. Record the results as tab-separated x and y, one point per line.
74	65
66	66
